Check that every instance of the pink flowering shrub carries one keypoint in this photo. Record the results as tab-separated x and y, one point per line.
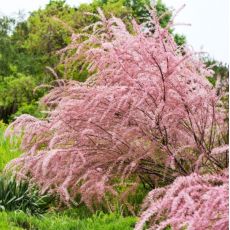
147	100
190	202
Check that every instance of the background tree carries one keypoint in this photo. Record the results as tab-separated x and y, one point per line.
29	45
7	51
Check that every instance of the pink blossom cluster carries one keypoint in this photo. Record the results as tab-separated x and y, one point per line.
146	98
192	202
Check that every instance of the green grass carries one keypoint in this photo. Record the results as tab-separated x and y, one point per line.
9	149
61	221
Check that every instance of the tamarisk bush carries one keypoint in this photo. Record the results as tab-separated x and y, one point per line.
191	202
146	109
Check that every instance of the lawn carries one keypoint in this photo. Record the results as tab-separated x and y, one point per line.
63	221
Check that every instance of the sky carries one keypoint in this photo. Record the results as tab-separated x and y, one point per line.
209	19
210	25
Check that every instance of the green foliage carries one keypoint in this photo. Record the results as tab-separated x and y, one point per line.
219	70
45	34
180	39
27	46
9	148
14	92
60	221
212	80
163	10
7	51
19	196
136	198
131	197
28	108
